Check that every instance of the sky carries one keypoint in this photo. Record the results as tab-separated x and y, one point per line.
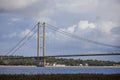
97	20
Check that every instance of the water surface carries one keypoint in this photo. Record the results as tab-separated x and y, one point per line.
49	70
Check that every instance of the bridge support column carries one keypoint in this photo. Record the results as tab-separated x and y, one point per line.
44	44
38	45
41	61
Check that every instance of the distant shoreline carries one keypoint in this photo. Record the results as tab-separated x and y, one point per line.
19	66
33	66
84	66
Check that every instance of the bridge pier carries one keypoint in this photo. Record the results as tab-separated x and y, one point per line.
41	62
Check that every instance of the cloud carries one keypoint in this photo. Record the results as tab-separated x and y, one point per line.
21	34
37	9
99	31
90	9
84	25
76	6
10	35
83	6
46	20
26	32
107	26
14	19
116	31
71	29
9	5
61	43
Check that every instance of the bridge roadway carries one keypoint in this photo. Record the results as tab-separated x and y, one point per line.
71	55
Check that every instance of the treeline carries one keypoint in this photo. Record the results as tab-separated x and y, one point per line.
4	60
77	62
51	61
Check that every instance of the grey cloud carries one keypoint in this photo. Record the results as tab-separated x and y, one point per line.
105	9
30	8
116	30
15	4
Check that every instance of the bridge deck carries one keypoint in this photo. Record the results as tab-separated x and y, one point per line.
72	55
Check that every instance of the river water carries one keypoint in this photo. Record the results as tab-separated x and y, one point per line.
49	70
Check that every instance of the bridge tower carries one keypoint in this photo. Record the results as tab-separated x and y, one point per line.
41	62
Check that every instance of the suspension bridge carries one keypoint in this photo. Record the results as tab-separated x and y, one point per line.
41	60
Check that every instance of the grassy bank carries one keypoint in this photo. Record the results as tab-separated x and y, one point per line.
62	77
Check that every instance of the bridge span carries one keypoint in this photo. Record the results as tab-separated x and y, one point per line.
71	55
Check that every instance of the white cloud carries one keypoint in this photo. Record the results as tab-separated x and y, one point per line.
81	28
92	25
26	32
84	25
61	37
19	34
107	26
99	31
71	29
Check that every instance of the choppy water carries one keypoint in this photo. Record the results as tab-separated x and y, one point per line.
41	70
